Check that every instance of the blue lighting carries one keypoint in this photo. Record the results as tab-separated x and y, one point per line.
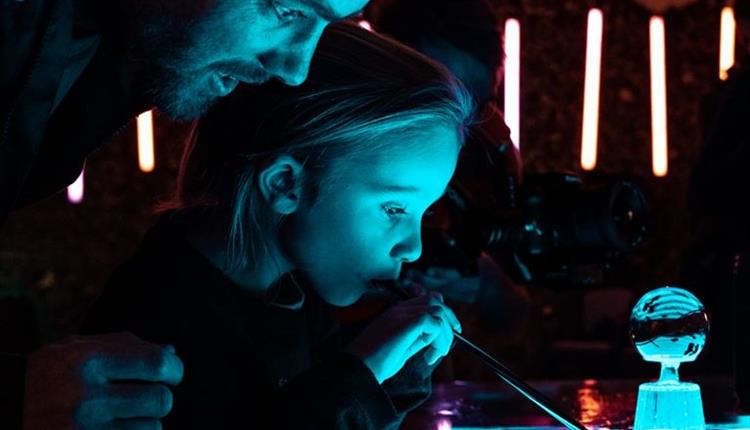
669	325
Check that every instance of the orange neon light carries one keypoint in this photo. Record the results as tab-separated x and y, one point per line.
590	132
145	123
512	102
726	42
659	149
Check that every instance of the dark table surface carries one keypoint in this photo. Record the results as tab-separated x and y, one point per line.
463	405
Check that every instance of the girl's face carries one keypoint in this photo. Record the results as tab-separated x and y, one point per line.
366	220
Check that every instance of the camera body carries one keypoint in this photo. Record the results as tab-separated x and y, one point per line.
548	229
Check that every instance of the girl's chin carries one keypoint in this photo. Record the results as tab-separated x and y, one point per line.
345	298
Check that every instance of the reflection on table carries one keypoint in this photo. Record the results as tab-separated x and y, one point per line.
598	404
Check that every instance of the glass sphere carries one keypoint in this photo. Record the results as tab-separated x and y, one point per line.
669	325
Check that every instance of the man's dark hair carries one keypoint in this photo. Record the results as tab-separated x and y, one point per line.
469	25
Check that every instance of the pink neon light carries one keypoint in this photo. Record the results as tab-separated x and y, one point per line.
75	190
366	25
590	132
444	424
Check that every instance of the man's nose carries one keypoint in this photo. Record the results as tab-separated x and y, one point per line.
291	63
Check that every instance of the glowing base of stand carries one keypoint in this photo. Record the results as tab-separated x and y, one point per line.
670	406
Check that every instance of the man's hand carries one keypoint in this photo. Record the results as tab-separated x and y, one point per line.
113	381
423	322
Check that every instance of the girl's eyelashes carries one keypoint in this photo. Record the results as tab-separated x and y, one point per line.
393	211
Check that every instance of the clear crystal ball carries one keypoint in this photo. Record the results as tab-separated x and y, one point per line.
669	325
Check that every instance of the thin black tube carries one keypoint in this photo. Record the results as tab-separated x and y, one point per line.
505	373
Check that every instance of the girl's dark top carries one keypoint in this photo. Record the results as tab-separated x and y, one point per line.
248	363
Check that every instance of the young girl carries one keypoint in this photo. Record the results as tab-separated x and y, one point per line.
291	200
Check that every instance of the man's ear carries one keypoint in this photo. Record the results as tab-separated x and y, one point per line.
280	183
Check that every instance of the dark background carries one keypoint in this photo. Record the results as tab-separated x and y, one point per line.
54	255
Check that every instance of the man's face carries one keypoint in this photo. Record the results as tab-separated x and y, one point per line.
192	53
367	221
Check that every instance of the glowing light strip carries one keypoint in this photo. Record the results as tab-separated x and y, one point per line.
726	43
659	149
146	141
512	103
590	130
75	190
444	424
365	24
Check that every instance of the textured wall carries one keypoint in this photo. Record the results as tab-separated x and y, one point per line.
59	253
553	43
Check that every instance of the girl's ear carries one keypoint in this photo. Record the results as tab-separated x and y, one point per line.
280	183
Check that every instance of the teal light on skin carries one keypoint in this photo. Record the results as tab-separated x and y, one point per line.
366	220
189	55
349	222
361	223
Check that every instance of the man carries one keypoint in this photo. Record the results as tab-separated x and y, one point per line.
73	73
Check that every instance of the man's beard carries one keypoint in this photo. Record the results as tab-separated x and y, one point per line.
176	73
161	50
176	95
182	92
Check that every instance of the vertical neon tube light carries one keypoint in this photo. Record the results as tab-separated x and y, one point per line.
365	24
726	42
659	149
145	123
512	103
75	190
590	132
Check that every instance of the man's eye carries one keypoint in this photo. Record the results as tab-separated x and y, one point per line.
394	211
286	13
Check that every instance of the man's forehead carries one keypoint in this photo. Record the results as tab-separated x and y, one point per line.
335	10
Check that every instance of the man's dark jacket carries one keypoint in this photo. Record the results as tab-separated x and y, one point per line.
64	89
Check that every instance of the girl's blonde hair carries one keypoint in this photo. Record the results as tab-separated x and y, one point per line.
362	87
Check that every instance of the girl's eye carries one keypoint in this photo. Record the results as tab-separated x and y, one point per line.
286	13
393	211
